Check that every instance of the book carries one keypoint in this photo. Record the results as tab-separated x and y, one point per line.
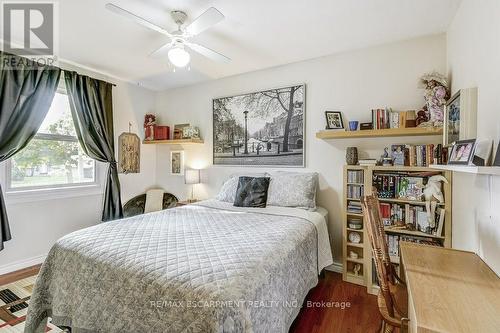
440	223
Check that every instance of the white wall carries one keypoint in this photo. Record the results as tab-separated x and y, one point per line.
353	82
473	43
37	223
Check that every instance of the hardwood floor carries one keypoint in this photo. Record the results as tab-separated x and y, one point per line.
362	316
19	275
315	317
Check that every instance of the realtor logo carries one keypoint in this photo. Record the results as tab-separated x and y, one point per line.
29	28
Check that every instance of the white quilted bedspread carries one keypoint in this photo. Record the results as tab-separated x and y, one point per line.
198	268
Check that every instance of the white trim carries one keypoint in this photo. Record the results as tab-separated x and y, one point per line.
25	263
15	197
335	267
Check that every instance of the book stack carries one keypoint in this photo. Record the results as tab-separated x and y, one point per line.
355	191
398	186
413	217
425	155
367	162
355	176
354	207
393	242
387	118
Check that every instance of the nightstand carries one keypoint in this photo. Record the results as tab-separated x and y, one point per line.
185	202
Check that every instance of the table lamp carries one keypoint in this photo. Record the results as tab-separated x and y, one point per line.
192	177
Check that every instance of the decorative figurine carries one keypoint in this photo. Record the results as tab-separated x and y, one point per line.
436	94
432	193
422	116
149	126
356	269
385	160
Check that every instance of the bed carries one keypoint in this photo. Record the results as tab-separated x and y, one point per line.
206	267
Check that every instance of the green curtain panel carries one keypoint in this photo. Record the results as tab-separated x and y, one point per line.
92	109
26	93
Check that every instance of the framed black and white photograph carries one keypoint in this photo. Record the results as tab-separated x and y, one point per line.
264	128
334	120
177	162
462	152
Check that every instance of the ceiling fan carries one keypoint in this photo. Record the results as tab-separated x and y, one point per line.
179	39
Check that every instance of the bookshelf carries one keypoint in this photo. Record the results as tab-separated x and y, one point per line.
353	178
370	176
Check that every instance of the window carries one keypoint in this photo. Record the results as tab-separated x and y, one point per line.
54	157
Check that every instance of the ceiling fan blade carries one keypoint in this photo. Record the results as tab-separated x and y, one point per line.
211	54
162	51
138	19
210	17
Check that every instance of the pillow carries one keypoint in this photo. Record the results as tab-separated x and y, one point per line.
227	192
252	192
293	189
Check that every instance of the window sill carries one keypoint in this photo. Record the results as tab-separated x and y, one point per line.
20	196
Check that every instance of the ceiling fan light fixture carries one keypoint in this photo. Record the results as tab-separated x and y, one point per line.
179	57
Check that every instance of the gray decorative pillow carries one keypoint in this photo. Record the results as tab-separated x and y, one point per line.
227	192
252	192
293	189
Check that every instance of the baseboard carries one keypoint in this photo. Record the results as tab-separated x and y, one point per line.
17	265
335	267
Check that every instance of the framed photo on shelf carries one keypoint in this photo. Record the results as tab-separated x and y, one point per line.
462	152
334	120
177	162
460	116
452	120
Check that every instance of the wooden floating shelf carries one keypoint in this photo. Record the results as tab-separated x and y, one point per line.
172	142
379	133
485	170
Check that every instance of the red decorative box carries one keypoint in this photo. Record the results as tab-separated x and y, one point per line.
162	132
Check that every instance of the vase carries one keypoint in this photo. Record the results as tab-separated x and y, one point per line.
351	156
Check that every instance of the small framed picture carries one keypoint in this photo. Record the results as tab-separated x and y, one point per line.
334	120
177	162
398	154
462	152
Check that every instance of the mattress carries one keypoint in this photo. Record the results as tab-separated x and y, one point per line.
208	267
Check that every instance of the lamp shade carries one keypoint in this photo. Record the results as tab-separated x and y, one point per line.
192	176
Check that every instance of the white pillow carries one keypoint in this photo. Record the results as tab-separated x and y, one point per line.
293	189
227	192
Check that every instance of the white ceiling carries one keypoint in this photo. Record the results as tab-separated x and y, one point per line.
255	34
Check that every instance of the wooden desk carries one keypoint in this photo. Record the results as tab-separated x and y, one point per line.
449	290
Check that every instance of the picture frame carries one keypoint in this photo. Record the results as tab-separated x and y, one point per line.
398	154
179	131
129	153
496	162
451	130
334	120
177	162
462	152
264	128
460	116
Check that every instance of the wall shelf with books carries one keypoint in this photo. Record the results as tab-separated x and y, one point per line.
381	133
404	214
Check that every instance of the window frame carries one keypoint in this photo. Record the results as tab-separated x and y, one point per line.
58	190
